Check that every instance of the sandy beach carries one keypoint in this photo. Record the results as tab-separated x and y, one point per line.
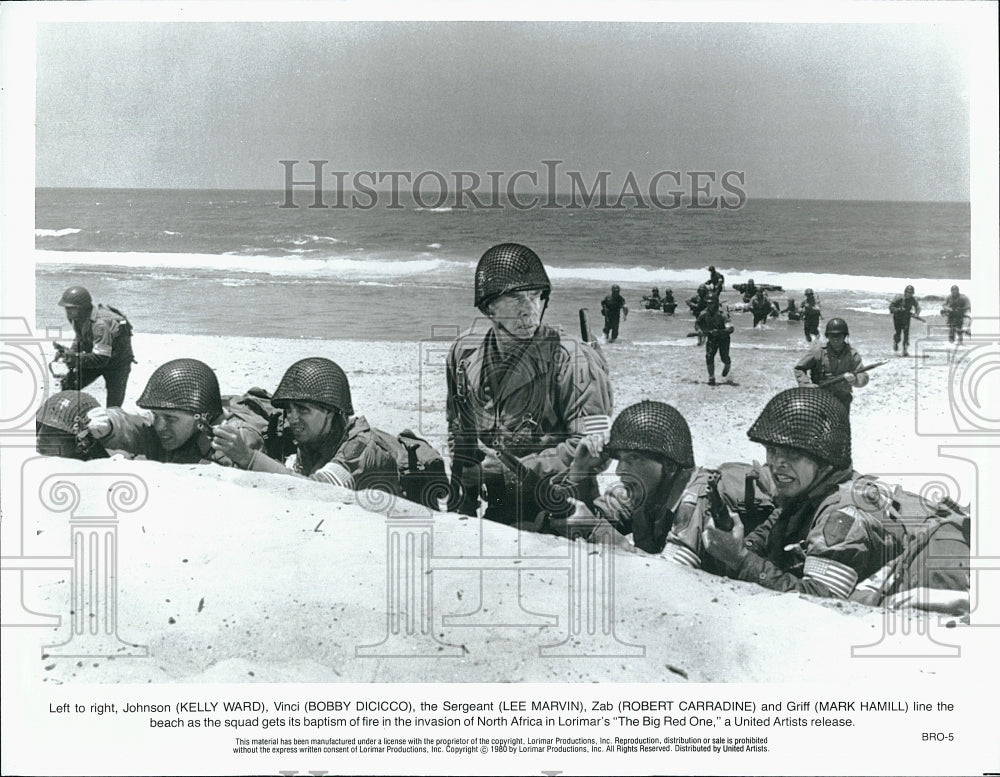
231	576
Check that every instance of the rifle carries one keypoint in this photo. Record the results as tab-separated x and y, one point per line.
716	507
584	326
835	378
710	333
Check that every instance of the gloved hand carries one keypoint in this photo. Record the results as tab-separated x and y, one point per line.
98	422
850	378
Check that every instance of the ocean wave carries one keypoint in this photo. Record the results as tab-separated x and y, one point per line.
56	232
340	267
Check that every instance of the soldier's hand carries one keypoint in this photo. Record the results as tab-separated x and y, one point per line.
727	547
98	422
590	457
850	378
228	441
932	600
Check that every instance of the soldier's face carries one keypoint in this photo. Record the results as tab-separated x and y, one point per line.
73	313
309	423
641	475
836	341
174	427
519	312
793	471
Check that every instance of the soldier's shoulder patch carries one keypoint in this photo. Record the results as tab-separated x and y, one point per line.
837	527
352	449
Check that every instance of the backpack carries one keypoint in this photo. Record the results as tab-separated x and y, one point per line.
936	545
420	468
254	408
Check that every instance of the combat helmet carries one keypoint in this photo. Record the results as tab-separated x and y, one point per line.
183	384
836	326
652	427
76	297
908	289
65	411
509	267
315	380
809	420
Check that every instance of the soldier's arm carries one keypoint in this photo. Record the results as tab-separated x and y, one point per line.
132	433
462	440
840	547
584	390
684	544
804	368
861	378
360	463
104	336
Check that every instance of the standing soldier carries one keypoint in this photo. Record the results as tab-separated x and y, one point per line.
699	301
332	444
761	307
836	361
521	396
716	281
714	325
957	309
903	307
810	316
612	308
103	345
186	408
823	538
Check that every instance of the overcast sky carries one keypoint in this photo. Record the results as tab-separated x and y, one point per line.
855	111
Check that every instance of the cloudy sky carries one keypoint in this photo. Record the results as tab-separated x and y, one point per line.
840	111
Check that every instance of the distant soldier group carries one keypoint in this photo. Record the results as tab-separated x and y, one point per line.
529	429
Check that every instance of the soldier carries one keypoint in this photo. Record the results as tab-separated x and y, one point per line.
60	427
749	291
811	315
699	301
612	308
186	408
761	307
665	499
102	348
668	304
792	311
822	539
652	301
716	281
714	325
957	309
522	392
836	362
332	444
902	308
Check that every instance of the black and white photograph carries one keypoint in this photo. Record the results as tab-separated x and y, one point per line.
523	389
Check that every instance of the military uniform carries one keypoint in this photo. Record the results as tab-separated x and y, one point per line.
134	434
102	348
902	307
822	363
534	405
714	324
956	309
355	461
810	318
611	309
761	308
821	544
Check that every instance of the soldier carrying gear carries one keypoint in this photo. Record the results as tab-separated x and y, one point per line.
957	310
102	348
653	301
521	387
612	308
834	359
713	324
810	316
822	539
332	446
903	307
61	427
184	413
664	500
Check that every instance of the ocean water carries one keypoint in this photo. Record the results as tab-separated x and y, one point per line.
236	263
